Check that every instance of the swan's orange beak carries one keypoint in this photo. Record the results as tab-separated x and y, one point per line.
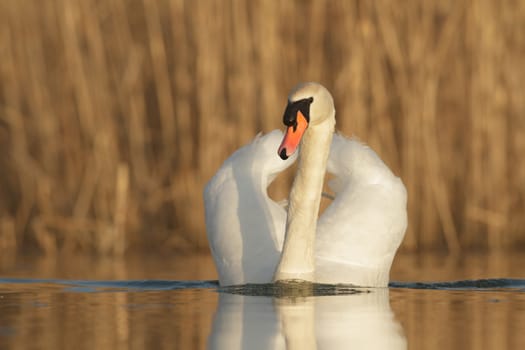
293	136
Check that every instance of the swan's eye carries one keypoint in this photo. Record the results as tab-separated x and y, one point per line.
304	107
290	114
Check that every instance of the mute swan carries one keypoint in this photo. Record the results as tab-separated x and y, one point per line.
254	240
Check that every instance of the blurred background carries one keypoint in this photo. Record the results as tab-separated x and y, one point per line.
115	113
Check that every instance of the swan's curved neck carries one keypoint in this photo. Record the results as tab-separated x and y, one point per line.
297	258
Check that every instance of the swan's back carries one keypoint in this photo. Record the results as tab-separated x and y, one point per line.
359	233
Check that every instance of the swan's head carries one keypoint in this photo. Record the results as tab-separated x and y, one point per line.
308	104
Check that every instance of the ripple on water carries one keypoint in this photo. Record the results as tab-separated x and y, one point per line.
481	284
292	289
289	288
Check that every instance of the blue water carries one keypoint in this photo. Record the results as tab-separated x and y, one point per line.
86	286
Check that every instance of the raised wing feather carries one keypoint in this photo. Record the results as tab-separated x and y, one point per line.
358	234
245	227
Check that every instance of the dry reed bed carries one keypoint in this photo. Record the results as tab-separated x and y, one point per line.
113	114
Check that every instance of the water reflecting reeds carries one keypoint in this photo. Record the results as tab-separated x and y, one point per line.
117	313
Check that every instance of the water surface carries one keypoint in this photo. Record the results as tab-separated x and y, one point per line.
161	302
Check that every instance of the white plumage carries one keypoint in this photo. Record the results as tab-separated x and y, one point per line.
357	235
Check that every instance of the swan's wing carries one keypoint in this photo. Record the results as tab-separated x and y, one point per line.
359	233
245	227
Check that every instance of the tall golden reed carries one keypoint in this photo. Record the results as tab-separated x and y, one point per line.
113	114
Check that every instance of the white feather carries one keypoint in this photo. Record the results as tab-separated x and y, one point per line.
356	237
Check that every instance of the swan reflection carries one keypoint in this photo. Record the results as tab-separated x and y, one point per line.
357	321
